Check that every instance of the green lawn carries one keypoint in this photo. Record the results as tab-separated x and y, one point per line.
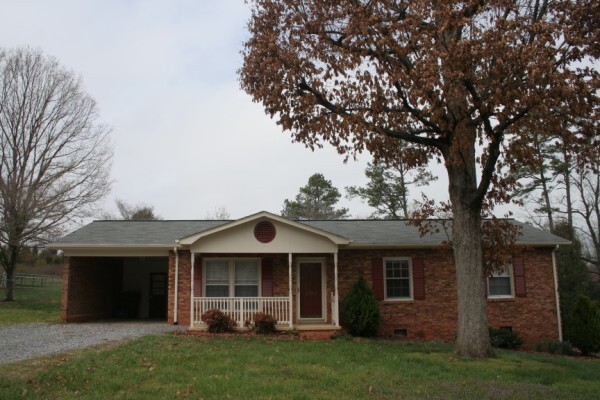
31	304
159	367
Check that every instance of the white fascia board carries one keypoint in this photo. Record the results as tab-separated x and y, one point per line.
338	240
112	250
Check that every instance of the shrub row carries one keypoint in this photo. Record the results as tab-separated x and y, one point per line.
219	322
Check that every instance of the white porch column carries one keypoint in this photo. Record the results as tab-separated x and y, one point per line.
192	317
291	311
175	298
336	312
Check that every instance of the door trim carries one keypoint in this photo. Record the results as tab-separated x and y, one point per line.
323	263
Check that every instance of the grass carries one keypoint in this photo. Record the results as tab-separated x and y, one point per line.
32	304
169	366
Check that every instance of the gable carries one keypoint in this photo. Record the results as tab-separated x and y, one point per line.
243	238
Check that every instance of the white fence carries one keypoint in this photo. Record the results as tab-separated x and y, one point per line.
31	280
242	309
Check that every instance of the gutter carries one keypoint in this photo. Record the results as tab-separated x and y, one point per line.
556	294
175	297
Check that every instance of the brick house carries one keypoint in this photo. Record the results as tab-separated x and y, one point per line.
299	272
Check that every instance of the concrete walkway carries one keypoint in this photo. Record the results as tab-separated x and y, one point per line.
24	341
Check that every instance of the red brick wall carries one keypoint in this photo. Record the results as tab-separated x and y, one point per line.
533	317
435	317
91	288
184	288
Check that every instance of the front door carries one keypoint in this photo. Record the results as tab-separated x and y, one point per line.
311	290
158	296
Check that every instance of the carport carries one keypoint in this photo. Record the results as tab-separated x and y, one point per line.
120	269
125	287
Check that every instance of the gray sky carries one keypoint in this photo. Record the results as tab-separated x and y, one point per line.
187	140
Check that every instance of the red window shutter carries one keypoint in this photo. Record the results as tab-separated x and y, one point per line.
267	277
418	270
198	277
377	271
519	272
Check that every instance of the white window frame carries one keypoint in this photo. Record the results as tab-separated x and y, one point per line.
231	274
410	279
508	272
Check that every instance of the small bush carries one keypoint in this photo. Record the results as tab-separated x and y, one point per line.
264	324
554	347
505	338
583	325
342	335
361	310
218	322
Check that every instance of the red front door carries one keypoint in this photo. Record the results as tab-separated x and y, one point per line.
311	290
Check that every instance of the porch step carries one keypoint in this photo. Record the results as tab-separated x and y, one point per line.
318	335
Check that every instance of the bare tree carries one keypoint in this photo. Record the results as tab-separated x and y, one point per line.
587	188
136	212
55	155
218	214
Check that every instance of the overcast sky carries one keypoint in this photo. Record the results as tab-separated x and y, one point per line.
186	139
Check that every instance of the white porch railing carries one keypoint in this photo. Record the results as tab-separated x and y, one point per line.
242	309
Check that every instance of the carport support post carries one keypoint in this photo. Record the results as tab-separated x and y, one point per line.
175	299
290	291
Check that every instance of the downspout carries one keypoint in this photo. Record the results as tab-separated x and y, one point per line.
556	294
175	296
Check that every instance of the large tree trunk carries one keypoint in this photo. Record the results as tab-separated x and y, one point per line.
9	261
473	338
10	284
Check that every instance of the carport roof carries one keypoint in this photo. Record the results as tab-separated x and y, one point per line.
363	233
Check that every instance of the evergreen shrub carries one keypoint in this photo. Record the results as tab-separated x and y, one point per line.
505	338
583	325
361	310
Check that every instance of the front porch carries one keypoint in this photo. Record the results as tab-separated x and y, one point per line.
260	264
243	309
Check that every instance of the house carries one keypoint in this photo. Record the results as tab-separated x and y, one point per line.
299	272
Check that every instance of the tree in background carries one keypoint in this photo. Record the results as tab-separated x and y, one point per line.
561	188
218	214
134	212
387	189
316	200
55	158
573	273
583	325
464	82
586	183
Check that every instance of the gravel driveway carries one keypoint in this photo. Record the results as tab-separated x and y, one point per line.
23	341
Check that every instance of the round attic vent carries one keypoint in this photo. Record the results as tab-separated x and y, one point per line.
264	231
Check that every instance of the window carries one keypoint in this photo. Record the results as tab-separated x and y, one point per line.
500	283
397	279
232	278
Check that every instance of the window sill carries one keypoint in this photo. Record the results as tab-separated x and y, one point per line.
501	298
398	301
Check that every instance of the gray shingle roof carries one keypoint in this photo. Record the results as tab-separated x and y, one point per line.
360	232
